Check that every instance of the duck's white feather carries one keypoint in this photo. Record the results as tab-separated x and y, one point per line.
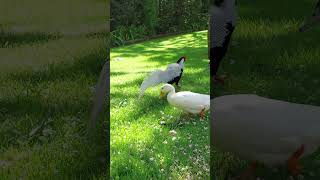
267	130
187	101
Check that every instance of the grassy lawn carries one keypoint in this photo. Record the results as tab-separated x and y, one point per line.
64	17
43	115
141	148
46	90
270	58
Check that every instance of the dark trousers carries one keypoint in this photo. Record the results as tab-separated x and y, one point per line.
218	53
216	56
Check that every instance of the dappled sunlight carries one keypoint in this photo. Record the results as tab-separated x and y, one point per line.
264	29
162	46
142	144
36	56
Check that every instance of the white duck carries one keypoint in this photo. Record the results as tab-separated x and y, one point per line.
265	130
190	102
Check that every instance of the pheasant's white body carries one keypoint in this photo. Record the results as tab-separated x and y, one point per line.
265	130
159	76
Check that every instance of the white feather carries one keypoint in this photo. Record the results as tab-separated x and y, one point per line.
159	76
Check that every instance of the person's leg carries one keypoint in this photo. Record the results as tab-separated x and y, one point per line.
218	53
313	20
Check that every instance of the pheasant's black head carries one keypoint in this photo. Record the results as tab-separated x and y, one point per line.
182	58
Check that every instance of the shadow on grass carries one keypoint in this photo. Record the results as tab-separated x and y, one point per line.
60	92
147	112
9	39
164	160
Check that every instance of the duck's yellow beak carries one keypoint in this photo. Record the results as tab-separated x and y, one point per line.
162	94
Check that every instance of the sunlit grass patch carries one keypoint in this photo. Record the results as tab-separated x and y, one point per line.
143	144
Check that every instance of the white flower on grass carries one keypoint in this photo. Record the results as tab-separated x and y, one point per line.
174	138
118	59
165	142
151	159
173	133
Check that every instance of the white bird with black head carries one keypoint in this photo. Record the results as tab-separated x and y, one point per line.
171	75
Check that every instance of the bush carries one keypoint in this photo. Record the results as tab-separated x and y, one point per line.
141	18
124	34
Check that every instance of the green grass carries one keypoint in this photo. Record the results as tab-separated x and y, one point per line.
43	120
65	17
141	148
270	58
46	83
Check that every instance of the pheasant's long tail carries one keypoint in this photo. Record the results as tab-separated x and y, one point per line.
152	80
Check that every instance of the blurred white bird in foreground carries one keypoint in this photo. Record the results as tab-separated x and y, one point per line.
171	75
265	130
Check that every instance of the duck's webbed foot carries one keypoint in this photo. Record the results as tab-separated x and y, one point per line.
218	79
293	164
202	113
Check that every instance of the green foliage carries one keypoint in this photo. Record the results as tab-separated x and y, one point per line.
124	34
151	14
158	16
